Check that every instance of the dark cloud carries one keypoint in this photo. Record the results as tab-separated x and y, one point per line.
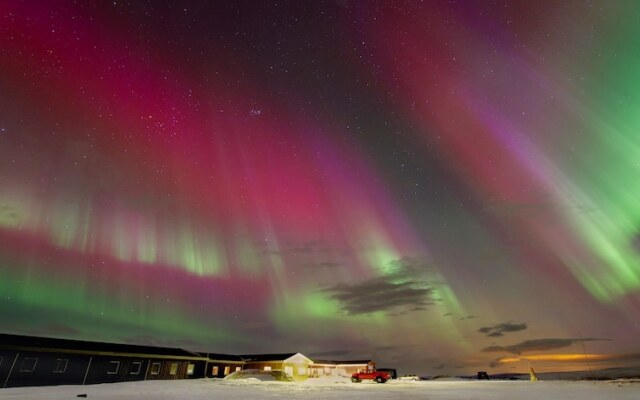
403	289
538	345
379	294
440	366
500	329
467	317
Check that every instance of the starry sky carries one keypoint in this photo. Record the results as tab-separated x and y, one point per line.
442	186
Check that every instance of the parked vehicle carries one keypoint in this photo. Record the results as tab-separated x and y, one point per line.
378	376
409	378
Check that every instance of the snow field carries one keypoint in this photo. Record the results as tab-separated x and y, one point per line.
211	389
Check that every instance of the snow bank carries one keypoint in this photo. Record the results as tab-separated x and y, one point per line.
260	375
208	389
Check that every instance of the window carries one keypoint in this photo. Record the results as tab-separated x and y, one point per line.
227	370
238	369
302	370
288	371
173	368
136	367
190	369
113	367
155	368
28	364
267	368
214	370
61	365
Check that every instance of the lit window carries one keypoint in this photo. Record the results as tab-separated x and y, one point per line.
113	367
238	369
288	371
227	370
28	364
61	365
173	368
190	369
267	368
302	370
136	367
214	371
155	368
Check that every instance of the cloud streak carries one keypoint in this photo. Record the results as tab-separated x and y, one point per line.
538	345
569	358
403	289
500	329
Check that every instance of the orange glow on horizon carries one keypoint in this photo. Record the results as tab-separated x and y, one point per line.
557	358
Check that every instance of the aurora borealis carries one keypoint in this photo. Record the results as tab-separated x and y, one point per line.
441	186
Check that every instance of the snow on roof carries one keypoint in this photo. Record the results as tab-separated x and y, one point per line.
280	357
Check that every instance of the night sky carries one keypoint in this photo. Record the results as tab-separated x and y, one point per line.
442	186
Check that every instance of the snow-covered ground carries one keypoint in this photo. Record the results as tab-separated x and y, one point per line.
252	389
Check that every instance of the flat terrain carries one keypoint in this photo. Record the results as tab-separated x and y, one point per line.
433	390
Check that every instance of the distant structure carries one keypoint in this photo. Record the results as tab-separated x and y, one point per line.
532	374
295	365
39	361
482	375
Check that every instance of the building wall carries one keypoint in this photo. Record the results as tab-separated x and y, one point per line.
109	369
298	371
199	369
33	368
262	364
6	361
216	369
167	369
42	368
47	366
316	371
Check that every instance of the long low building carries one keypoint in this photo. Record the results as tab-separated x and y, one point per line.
39	361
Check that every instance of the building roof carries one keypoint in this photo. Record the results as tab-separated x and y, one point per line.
81	346
267	357
343	362
224	357
354	362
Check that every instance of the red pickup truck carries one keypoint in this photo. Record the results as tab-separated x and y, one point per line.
378	376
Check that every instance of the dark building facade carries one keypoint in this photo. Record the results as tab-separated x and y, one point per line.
39	361
221	365
35	361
